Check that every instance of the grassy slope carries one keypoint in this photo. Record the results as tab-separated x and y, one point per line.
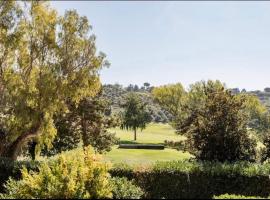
153	134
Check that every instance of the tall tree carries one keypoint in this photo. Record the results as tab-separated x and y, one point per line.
134	115
146	84
216	124
87	123
53	61
95	120
171	98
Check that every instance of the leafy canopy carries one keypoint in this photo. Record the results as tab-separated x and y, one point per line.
87	123
171	98
45	61
134	115
82	177
215	123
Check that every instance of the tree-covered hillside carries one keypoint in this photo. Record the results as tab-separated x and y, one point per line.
264	96
116	94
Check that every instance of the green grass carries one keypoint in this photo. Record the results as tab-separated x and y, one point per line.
144	156
153	134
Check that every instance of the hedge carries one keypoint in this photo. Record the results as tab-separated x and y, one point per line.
179	179
190	179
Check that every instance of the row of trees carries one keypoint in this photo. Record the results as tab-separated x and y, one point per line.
136	88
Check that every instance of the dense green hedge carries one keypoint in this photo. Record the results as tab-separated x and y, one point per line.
122	188
187	179
179	179
9	168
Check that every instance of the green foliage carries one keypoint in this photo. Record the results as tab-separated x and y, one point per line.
10	168
117	94
135	115
215	124
35	86
182	179
170	97
68	136
87	123
125	189
95	120
82	177
258	115
203	180
266	149
232	196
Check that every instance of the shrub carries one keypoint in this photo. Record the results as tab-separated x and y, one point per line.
215	123
125	189
191	179
81	177
10	168
232	196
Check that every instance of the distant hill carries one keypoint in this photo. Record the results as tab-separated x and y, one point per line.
264	96
116	94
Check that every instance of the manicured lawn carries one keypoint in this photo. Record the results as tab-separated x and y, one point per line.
143	156
153	134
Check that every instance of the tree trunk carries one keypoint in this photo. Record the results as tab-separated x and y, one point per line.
32	149
84	131
13	150
135	134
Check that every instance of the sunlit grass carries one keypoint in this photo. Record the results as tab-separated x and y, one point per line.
144	156
153	134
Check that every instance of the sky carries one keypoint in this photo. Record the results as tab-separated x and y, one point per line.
163	42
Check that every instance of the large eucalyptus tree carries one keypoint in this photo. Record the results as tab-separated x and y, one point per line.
46	60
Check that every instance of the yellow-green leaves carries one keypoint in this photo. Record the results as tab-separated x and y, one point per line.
170	97
53	60
80	177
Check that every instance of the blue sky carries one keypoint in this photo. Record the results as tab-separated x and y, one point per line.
169	42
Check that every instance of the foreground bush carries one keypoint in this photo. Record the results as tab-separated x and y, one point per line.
170	180
125	189
81	177
232	196
190	179
12	169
